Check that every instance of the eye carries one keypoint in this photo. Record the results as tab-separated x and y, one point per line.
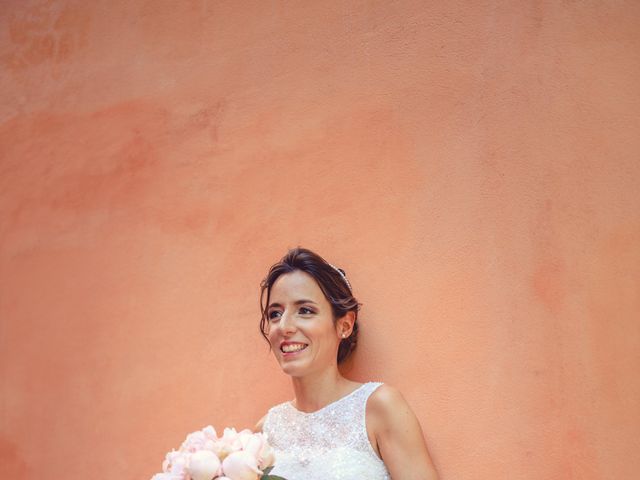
306	311
273	315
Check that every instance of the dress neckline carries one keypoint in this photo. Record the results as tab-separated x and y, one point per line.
290	404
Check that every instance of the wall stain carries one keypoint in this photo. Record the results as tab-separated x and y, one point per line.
207	118
46	33
13	463
548	284
66	174
548	281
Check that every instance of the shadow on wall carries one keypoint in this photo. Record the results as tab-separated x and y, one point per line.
13	466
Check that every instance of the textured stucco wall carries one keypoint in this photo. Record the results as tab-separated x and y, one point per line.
474	167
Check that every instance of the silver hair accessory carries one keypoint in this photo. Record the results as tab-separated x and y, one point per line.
342	275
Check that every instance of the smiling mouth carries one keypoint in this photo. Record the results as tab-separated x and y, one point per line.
293	347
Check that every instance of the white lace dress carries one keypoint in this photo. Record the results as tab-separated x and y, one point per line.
329	444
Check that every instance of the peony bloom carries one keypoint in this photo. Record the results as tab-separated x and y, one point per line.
167	476
241	466
205	456
231	437
210	436
267	456
253	444
244	437
229	442
210	433
178	464
195	441
170	459
203	465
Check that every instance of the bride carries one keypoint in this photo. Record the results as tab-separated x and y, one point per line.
335	428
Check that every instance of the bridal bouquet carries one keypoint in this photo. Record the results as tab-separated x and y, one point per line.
235	455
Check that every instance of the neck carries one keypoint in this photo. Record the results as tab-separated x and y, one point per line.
317	390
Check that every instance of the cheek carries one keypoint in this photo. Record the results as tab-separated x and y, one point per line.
274	338
327	334
269	333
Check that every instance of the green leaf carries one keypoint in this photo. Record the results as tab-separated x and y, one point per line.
272	477
266	471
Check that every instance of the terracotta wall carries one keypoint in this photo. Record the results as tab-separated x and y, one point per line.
473	166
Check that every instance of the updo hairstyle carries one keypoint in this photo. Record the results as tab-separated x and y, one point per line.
332	283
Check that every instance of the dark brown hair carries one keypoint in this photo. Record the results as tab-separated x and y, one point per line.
332	283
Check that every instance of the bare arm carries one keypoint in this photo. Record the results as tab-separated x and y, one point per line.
398	436
258	427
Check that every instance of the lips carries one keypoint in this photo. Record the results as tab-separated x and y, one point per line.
289	348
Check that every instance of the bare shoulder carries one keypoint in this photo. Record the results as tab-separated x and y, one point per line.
386	394
386	399
387	410
397	435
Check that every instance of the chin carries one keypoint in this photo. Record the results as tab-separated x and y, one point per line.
298	367
293	370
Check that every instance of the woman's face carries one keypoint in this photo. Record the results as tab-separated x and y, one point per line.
300	328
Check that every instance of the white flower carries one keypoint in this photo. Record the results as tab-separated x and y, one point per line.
203	465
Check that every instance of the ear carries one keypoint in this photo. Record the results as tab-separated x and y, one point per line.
344	326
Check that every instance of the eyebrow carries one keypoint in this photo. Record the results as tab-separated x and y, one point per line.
298	302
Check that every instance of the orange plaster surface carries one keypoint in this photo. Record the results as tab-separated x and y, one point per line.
474	167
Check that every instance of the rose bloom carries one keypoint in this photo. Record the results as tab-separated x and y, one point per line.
241	465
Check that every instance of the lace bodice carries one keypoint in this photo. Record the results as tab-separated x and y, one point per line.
329	444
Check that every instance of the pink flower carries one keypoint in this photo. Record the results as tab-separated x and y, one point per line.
170	458
258	446
201	440
244	437
253	444
229	442
231	438
203	465
175	463
241	466
205	456
210	433
195	441
167	476
267	456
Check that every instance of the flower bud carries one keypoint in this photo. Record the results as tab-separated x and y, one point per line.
203	465
241	466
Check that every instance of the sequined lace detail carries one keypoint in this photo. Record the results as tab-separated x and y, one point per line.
328	444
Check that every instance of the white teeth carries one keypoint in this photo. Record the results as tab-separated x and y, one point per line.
292	347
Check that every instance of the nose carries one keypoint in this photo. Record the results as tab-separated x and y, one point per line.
287	323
